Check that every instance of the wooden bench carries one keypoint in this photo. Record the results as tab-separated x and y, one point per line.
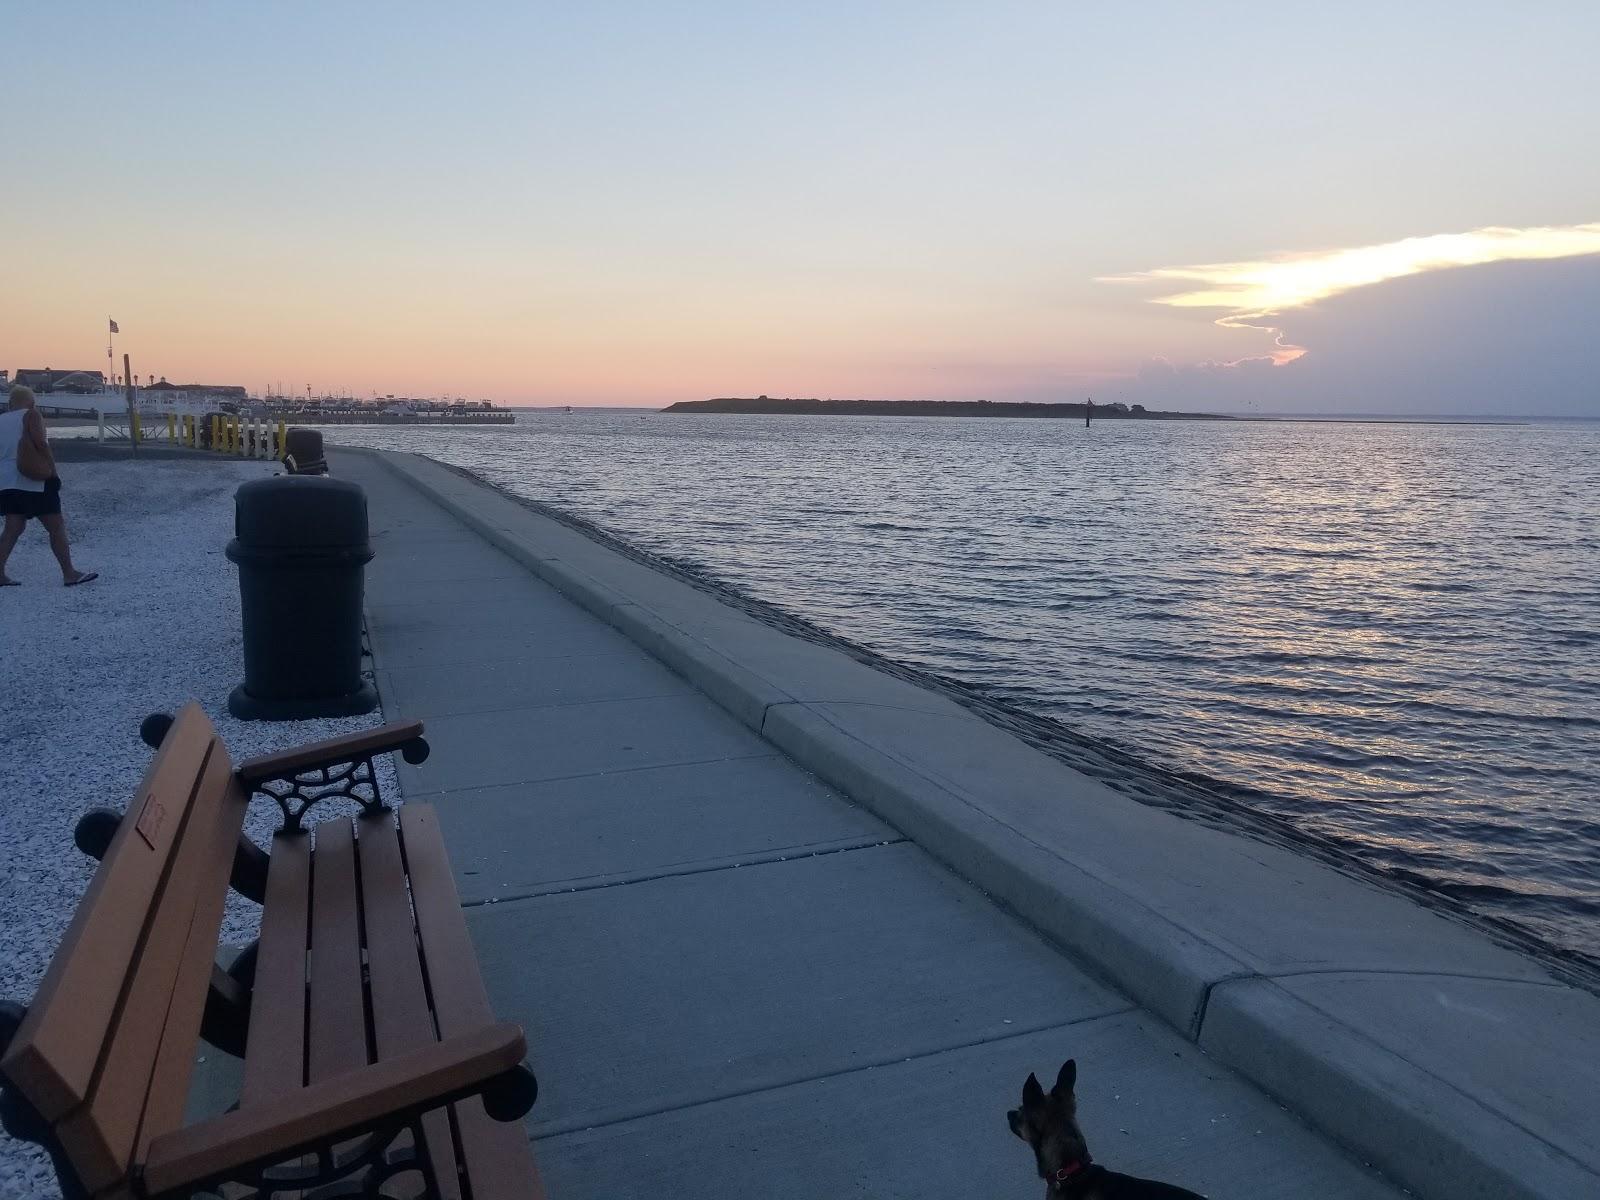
372	1062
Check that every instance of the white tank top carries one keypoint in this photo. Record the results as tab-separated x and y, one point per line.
12	479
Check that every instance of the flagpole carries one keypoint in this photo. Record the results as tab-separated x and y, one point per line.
133	410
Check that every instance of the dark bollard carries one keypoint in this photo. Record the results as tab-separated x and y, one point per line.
301	546
302	452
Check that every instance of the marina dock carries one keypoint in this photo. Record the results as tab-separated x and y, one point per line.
377	416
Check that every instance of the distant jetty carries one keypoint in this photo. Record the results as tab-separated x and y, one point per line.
933	408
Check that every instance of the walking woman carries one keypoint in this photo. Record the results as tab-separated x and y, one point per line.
25	453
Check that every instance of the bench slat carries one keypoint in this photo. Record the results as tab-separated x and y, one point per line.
337	1008
328	1012
53	1056
169	1084
275	1055
459	999
500	1158
101	1135
400	1015
497	1154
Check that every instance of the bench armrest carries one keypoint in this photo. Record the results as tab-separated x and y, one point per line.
405	736
334	1110
339	768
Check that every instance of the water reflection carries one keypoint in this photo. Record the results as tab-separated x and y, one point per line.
1393	632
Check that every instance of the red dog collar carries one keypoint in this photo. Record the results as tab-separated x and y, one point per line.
1065	1174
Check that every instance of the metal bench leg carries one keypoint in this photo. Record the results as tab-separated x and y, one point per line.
249	877
362	1165
225	1023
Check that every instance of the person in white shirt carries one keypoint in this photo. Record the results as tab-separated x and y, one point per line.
22	497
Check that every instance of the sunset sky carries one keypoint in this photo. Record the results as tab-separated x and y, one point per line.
1355	207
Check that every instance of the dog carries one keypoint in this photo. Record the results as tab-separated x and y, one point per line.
1050	1125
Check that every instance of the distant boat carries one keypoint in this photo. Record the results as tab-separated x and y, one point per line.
569	410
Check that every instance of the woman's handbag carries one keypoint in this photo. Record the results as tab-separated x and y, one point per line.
32	462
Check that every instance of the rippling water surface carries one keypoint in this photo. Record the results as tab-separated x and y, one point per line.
1390	632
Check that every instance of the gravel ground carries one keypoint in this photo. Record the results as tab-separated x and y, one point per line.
80	667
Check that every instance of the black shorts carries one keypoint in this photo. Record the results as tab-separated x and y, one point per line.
14	502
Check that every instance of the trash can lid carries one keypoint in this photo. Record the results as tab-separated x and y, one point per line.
295	511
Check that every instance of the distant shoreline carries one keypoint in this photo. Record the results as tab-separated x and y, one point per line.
933	408
768	406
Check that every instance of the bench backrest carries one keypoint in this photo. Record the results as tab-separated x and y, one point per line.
106	1049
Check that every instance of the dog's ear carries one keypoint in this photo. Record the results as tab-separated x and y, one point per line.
1066	1080
1032	1097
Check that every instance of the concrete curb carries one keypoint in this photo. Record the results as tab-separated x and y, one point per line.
1280	967
1151	959
1340	1080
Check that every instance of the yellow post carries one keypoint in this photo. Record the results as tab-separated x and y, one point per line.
283	440
215	432
133	427
172	429
241	442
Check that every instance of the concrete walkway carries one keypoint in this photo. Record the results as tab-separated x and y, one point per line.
735	982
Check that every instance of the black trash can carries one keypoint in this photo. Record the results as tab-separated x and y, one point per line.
301	546
302	452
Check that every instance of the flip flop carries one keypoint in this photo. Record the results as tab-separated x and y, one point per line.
10	583
86	577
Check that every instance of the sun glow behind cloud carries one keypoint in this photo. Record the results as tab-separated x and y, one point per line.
1251	293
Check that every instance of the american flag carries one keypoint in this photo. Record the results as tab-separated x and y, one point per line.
114	328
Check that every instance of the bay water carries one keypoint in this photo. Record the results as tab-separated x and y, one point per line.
1386	634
